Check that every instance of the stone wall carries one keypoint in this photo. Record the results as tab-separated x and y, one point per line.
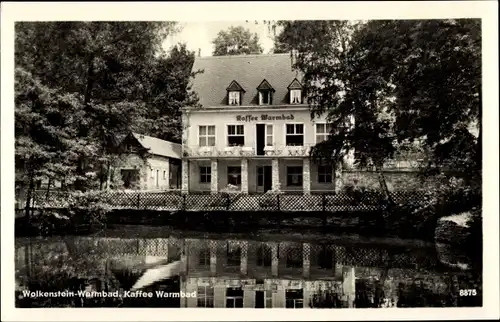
396	180
131	161
154	172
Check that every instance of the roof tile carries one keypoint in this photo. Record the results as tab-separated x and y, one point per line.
248	71
159	147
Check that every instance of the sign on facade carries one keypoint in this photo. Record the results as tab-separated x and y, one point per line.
264	117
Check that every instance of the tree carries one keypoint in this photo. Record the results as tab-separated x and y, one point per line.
402	81
236	41
45	123
105	66
169	92
337	84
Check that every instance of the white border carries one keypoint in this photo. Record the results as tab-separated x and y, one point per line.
214	11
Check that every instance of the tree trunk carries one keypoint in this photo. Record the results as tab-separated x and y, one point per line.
108	175
101	177
479	152
383	185
29	195
48	188
79	183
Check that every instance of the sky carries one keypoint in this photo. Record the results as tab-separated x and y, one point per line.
199	35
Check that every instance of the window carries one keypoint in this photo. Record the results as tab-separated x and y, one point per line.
205	296
294	257
265	93
206	135
325	257
295	91
295	96
234	175
234	98
294	134
164	174
269	299
325	174
235	135
264	256
264	97
269	135
130	148
130	178
204	257
205	174
234	91
294	176
234	297
322	132
294	299
233	255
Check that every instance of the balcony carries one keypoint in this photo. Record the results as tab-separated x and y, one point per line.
246	151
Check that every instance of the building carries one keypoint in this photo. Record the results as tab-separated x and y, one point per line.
148	163
254	129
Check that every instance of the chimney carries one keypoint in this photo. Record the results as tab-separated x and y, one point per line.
294	53
199	52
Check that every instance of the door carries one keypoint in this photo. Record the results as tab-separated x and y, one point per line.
259	300
261	138
268	178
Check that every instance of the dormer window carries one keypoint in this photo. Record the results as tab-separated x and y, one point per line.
264	97
265	93
295	96
295	91
234	98
234	93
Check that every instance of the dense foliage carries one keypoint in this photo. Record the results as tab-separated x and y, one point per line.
388	84
81	86
236	41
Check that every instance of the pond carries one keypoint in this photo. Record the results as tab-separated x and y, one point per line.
146	266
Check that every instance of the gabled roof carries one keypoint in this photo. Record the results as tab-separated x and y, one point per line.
295	84
234	86
264	85
159	147
248	71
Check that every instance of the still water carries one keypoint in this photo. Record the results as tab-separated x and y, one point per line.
139	266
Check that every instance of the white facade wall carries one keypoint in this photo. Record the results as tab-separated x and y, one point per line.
221	118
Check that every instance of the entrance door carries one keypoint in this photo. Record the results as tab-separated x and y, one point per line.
261	138
268	178
259	300
264	178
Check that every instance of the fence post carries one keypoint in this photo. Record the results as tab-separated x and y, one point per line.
138	200
323	196
228	202
278	201
184	202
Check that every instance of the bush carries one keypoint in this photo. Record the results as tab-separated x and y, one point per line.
360	194
90	207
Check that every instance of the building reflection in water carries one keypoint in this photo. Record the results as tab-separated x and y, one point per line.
244	273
